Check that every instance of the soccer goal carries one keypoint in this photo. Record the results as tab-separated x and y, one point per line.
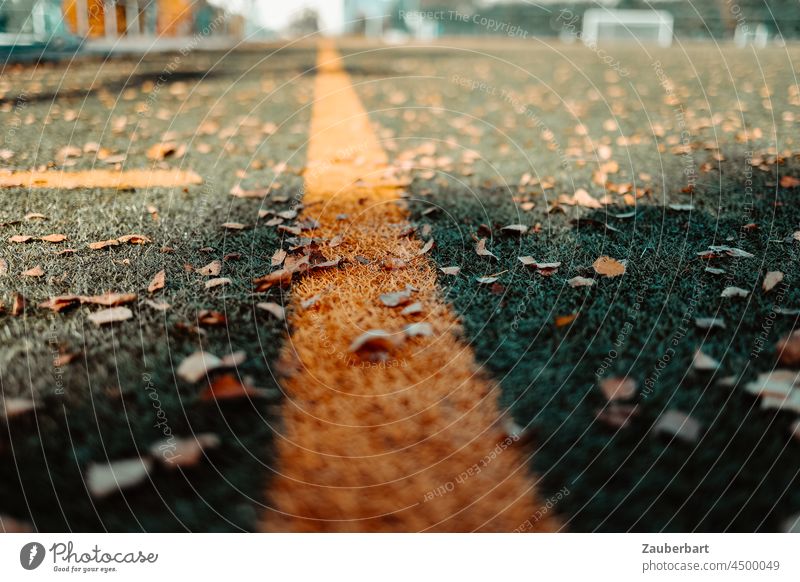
645	26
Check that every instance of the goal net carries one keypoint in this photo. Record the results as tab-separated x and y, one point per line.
646	26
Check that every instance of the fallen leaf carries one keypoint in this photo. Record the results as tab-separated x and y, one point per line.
486	280
564	320
789	182
480	249
419	329
238	192
280	278
412	309
111	179
217	282
616	415
709	322
134	239
788	348
517	229
394	264
704	362
112	242
771	279
618	388
427	247
104	479
34	272
158	282
53	238
677	424
233	226
212	269
158	305
734	292
580	282
545	269
188	452
3	267
164	150
278	257
112	315
210	318
276	310
608	267
450	270
20	238
108	299
396	298
196	366
229	387
375	344
15	407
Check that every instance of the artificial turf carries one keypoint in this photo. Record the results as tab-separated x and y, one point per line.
121	394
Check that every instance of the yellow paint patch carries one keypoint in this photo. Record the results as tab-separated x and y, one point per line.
412	443
112	179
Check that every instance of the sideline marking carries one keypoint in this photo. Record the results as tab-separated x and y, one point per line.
412	444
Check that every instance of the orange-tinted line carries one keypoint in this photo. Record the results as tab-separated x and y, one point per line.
410	444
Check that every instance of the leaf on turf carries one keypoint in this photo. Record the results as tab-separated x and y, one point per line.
396	298
480	249
33	272
427	247
618	388
196	366
564	320
393	264
134	239
580	282
112	315
112	242
375	344
53	238
217	282
677	424
704	363
278	257
15	407
228	387
608	267
165	150
515	229
771	279
109	299
105	479
273	308
789	182
3	267
709	322
412	309
450	270
173	453
734	292
212	269
20	238
158	305
486	280
158	282
419	329
788	348
279	278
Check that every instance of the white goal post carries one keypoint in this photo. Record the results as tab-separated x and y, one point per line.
642	25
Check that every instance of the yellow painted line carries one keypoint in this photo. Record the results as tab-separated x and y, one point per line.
113	179
412	444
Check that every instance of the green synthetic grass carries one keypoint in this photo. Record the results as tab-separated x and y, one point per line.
101	407
742	474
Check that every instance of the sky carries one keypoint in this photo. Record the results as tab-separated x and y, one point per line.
276	14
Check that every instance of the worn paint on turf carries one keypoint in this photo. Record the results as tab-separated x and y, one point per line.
410	444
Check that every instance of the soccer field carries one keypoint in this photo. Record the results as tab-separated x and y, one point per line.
458	196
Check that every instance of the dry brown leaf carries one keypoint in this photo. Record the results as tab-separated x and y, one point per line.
34	272
109	299
3	267
608	267
112	242
105	479
427	247
564	320
618	388
211	318
675	423
233	226
278	257
53	238
396	298
788	348
217	282
112	315
158	305
163	150
734	292
394	264
188	452
517	229
279	278
14	407
771	279
450	270
212	269
20	238
61	302
789	182
273	308
134	239
375	344
158	282
480	249
228	387
196	366
580	282
412	309
420	329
